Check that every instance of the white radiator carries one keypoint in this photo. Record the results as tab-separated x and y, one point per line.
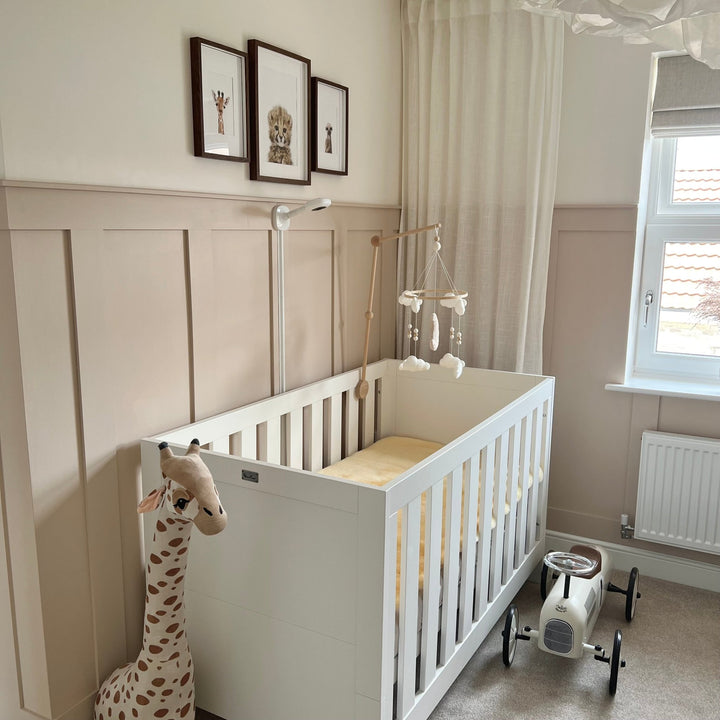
678	500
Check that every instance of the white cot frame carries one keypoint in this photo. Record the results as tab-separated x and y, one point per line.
292	610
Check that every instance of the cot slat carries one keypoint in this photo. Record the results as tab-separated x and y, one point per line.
334	424
352	410
520	538
248	443
545	460
269	441
368	436
294	438
482	572
431	584
470	513
499	494
221	445
314	437
409	588
509	541
388	615
451	566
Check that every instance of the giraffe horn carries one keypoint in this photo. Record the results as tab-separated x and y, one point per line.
194	447
165	451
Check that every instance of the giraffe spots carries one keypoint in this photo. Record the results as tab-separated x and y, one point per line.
167	692
185	710
121	715
161	526
143	666
175	542
184	679
141	700
147	629
151	618
164	641
116	697
161	612
153	590
162	583
178	606
180	634
155	649
171	600
172	628
174	656
97	699
182	551
151	693
172	571
155	559
165	553
135	712
170	521
179	579
158	682
162	712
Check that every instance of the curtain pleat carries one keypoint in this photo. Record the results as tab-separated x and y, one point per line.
482	84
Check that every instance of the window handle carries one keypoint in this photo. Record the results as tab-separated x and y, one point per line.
649	297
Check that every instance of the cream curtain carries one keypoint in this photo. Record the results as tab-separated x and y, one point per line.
691	26
482	85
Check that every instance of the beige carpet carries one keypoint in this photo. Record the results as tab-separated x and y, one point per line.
672	649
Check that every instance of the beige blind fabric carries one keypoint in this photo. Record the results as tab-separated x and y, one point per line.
687	98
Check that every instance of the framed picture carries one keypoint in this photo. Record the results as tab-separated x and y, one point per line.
329	127
279	115
219	98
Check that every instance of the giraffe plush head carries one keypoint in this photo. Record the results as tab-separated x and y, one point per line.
190	492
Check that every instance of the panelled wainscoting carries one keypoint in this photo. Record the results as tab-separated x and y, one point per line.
124	312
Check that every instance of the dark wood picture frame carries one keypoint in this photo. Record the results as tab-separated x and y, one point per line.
279	84
330	103
219	80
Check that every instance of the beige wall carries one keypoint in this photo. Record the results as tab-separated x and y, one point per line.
95	91
126	313
596	442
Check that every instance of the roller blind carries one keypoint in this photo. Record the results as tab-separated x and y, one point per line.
687	98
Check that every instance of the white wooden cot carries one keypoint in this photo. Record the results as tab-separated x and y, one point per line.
292	610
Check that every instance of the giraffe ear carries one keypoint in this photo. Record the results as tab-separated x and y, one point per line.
151	501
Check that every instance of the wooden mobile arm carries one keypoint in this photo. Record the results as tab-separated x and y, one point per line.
361	389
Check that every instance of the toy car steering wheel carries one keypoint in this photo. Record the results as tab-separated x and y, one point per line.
570	563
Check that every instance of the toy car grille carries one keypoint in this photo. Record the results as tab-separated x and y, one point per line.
558	636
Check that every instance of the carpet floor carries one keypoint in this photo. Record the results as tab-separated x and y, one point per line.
672	650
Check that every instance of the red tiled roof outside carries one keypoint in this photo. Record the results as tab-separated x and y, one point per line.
697	185
686	267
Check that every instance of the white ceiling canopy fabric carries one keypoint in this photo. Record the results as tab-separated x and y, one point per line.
691	26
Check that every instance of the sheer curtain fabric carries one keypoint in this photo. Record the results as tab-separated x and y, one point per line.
482	88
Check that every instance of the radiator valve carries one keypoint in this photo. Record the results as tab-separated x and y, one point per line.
626	530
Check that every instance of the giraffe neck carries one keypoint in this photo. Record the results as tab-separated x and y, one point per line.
164	628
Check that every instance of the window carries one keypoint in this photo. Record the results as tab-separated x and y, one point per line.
677	328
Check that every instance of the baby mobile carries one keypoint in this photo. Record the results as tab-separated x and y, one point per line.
449	297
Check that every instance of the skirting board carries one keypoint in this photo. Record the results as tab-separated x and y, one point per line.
657	565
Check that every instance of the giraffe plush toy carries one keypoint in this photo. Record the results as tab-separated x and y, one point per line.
159	684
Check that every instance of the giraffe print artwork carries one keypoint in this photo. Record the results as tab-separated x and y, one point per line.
159	684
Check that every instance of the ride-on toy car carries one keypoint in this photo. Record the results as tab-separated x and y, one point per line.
571	608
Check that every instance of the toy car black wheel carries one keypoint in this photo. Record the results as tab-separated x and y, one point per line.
512	623
632	594
615	662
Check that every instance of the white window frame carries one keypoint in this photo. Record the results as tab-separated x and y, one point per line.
668	222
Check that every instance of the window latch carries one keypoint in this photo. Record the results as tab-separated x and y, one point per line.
649	297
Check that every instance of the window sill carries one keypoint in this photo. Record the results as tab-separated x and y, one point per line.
668	388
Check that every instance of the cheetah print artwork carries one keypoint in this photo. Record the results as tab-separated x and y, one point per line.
160	683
